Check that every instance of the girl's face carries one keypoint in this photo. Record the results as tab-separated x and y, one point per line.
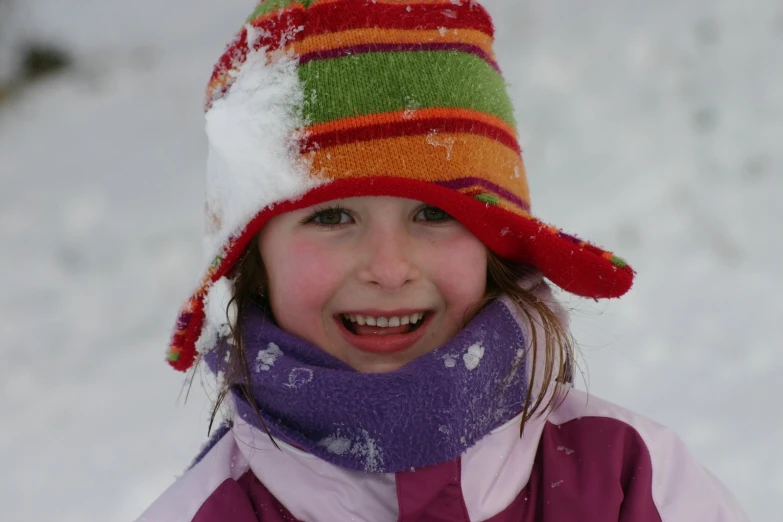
374	281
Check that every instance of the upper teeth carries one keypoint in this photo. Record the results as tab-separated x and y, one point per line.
385	322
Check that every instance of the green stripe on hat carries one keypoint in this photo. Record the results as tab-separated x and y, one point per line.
268	6
391	81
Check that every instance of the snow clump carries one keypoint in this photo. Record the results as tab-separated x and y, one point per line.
362	446
218	315
266	358
473	357
254	133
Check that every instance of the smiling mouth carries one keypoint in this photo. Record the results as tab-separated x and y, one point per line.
382	326
384	335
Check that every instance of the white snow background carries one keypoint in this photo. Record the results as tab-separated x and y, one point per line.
652	128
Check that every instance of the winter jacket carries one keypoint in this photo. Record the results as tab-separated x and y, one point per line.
586	461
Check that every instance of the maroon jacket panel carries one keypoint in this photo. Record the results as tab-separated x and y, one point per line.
229	502
432	494
589	469
243	500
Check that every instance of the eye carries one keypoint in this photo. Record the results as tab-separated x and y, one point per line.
330	217
432	215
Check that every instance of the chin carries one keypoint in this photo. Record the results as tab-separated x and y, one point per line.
379	364
380	367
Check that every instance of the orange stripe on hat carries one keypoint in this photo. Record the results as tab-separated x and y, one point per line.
326	42
440	158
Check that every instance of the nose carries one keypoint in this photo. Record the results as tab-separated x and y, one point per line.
389	255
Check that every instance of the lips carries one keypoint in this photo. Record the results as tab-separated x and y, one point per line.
381	340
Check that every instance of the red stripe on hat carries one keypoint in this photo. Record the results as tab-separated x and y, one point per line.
332	17
409	128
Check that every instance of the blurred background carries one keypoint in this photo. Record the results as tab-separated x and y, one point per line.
652	128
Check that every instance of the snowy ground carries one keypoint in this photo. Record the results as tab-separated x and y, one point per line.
653	128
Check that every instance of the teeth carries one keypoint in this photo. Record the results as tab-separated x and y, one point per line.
385	322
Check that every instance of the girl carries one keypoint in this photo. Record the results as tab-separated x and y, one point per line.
375	305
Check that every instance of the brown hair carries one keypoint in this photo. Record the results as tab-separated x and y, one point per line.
249	289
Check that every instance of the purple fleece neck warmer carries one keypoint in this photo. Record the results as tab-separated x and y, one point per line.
427	412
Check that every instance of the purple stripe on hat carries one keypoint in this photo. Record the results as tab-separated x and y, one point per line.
398	47
463	183
569	237
184	320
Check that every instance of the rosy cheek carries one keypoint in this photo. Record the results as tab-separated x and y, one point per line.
462	274
310	274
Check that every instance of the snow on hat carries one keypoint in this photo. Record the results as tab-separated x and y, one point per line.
316	100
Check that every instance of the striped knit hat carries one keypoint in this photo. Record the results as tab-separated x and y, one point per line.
316	100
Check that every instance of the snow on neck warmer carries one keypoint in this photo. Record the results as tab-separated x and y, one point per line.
427	412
